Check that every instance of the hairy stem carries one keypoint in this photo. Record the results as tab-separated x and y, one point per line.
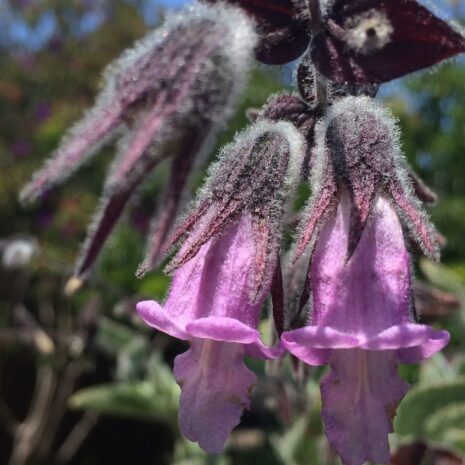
316	27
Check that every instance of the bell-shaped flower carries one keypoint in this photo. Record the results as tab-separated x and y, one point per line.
165	98
361	319
361	323
209	305
222	275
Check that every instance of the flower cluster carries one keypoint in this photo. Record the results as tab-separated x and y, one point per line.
166	98
344	295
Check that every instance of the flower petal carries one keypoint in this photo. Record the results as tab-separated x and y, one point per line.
371	291
404	336
320	337
156	316
436	342
314	344
360	397
215	389
231	330
222	329
214	283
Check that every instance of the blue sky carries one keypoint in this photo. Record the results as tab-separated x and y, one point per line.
16	31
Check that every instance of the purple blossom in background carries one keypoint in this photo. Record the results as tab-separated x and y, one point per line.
165	98
43	112
21	148
344	296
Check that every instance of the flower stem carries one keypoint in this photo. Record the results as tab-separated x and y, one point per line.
316	27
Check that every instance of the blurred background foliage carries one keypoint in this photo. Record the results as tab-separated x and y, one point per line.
82	381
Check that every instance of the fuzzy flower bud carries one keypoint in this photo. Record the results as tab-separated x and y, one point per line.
167	97
253	174
357	146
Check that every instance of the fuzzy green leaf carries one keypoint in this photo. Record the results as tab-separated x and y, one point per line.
423	402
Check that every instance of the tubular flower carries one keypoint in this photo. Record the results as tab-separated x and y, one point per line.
166	97
223	273
361	321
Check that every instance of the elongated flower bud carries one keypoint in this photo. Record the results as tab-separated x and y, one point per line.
169	94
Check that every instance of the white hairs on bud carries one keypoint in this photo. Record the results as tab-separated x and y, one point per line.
297	149
231	60
348	105
233	39
366	104
236	45
326	6
253	132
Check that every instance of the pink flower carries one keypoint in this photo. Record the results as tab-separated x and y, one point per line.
362	324
361	320
210	305
222	275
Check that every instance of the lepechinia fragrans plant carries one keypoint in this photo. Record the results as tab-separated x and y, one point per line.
341	294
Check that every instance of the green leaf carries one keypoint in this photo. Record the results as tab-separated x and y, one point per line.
448	424
303	439
154	285
132	359
438	369
112	336
443	277
136	400
423	402
190	453
155	398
